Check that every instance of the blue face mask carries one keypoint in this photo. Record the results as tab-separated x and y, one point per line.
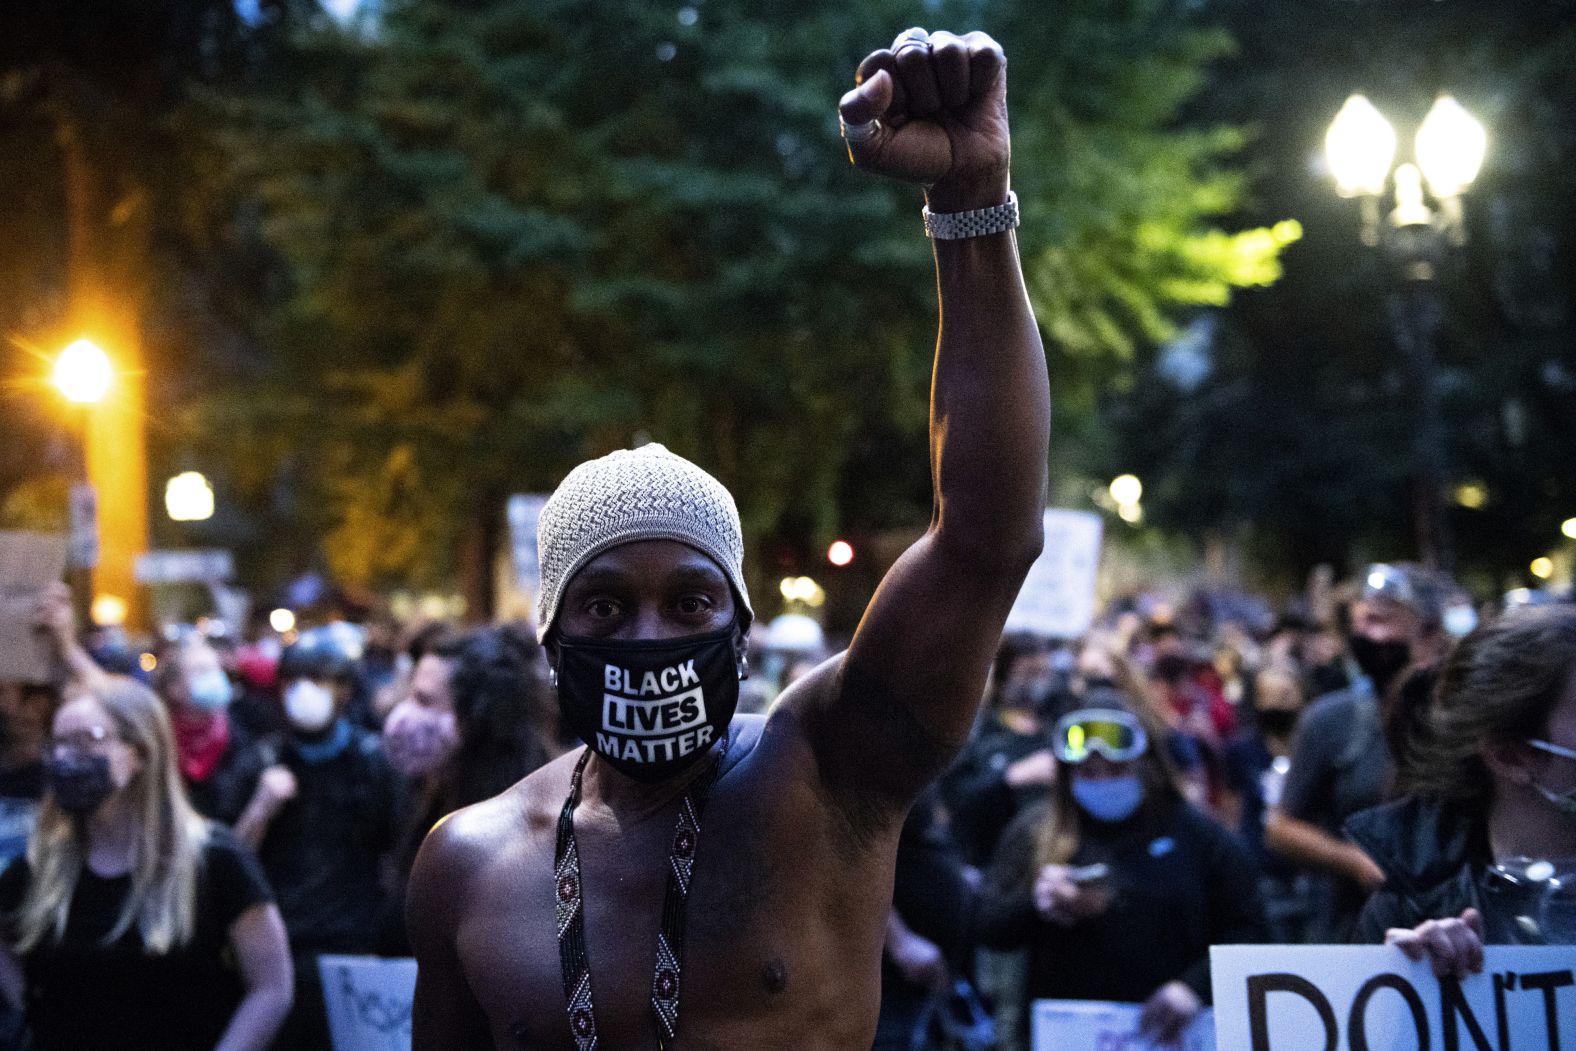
1109	799
210	691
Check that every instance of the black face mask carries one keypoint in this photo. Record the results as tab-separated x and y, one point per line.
1277	722
80	782
649	707
1380	661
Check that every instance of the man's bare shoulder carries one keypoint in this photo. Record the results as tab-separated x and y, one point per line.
497	828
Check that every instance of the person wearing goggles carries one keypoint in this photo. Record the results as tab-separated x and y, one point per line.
1483	850
1114	857
1341	762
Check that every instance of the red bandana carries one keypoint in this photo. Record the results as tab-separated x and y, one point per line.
200	742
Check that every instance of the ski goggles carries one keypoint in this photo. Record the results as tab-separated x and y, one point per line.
1115	734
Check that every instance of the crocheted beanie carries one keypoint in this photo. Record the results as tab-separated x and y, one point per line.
647	493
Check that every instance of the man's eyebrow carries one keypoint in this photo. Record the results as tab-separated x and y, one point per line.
697	573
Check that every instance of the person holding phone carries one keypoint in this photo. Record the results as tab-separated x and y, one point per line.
1115	885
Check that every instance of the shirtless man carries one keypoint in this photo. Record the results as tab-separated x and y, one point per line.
576	910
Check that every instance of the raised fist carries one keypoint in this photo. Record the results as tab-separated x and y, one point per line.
939	107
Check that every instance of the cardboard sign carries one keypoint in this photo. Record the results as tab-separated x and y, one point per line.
1100	1025
28	561
1372	998
1057	597
369	1000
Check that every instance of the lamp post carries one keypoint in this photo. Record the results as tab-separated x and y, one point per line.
1424	222
83	375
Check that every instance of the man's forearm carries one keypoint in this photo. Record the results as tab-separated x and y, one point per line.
990	406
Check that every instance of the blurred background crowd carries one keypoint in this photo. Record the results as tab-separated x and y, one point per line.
1371	758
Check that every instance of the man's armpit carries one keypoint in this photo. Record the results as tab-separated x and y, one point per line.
874	756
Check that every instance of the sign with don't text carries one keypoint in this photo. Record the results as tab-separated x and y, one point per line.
1098	1025
1372	998
1057	597
368	1000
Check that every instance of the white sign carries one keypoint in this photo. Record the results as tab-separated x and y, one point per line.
524	511
199	566
369	1000
1098	1025
28	562
1372	998
1057	598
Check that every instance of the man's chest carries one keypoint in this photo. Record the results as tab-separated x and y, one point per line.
768	918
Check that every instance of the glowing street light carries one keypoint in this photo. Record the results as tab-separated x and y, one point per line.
1360	147
282	620
188	497
841	553
1542	568
1451	145
1568	527
83	373
1126	489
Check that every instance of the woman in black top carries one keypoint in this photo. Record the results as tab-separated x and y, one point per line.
1115	885
134	922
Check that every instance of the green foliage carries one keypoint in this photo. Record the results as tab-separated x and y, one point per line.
516	234
1301	434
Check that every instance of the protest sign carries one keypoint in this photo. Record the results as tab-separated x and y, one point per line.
524	511
1100	1025
195	566
28	561
1057	597
368	1000
1372	998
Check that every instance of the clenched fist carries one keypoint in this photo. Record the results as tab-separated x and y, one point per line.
940	106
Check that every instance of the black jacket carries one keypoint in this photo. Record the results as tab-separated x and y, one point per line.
1435	859
1180	884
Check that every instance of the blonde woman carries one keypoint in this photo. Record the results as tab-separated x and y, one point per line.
134	922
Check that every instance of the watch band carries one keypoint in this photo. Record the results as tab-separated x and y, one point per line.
952	226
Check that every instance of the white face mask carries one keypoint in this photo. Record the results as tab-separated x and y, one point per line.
309	706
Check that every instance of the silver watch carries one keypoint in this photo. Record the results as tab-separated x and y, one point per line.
951	226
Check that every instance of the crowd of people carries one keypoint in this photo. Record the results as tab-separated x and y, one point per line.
185	842
188	835
1391	772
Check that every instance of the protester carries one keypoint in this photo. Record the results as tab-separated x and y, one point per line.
27	707
219	760
1477	853
1340	761
643	609
133	922
1115	884
477	719
323	820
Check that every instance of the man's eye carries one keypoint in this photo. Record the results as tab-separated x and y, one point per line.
602	607
694	604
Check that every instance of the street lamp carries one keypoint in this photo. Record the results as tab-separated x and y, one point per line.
83	373
188	497
1423	222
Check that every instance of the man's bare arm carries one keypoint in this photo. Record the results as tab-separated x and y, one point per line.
445	1015
905	696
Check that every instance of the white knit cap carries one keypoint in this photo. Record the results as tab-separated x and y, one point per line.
647	493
